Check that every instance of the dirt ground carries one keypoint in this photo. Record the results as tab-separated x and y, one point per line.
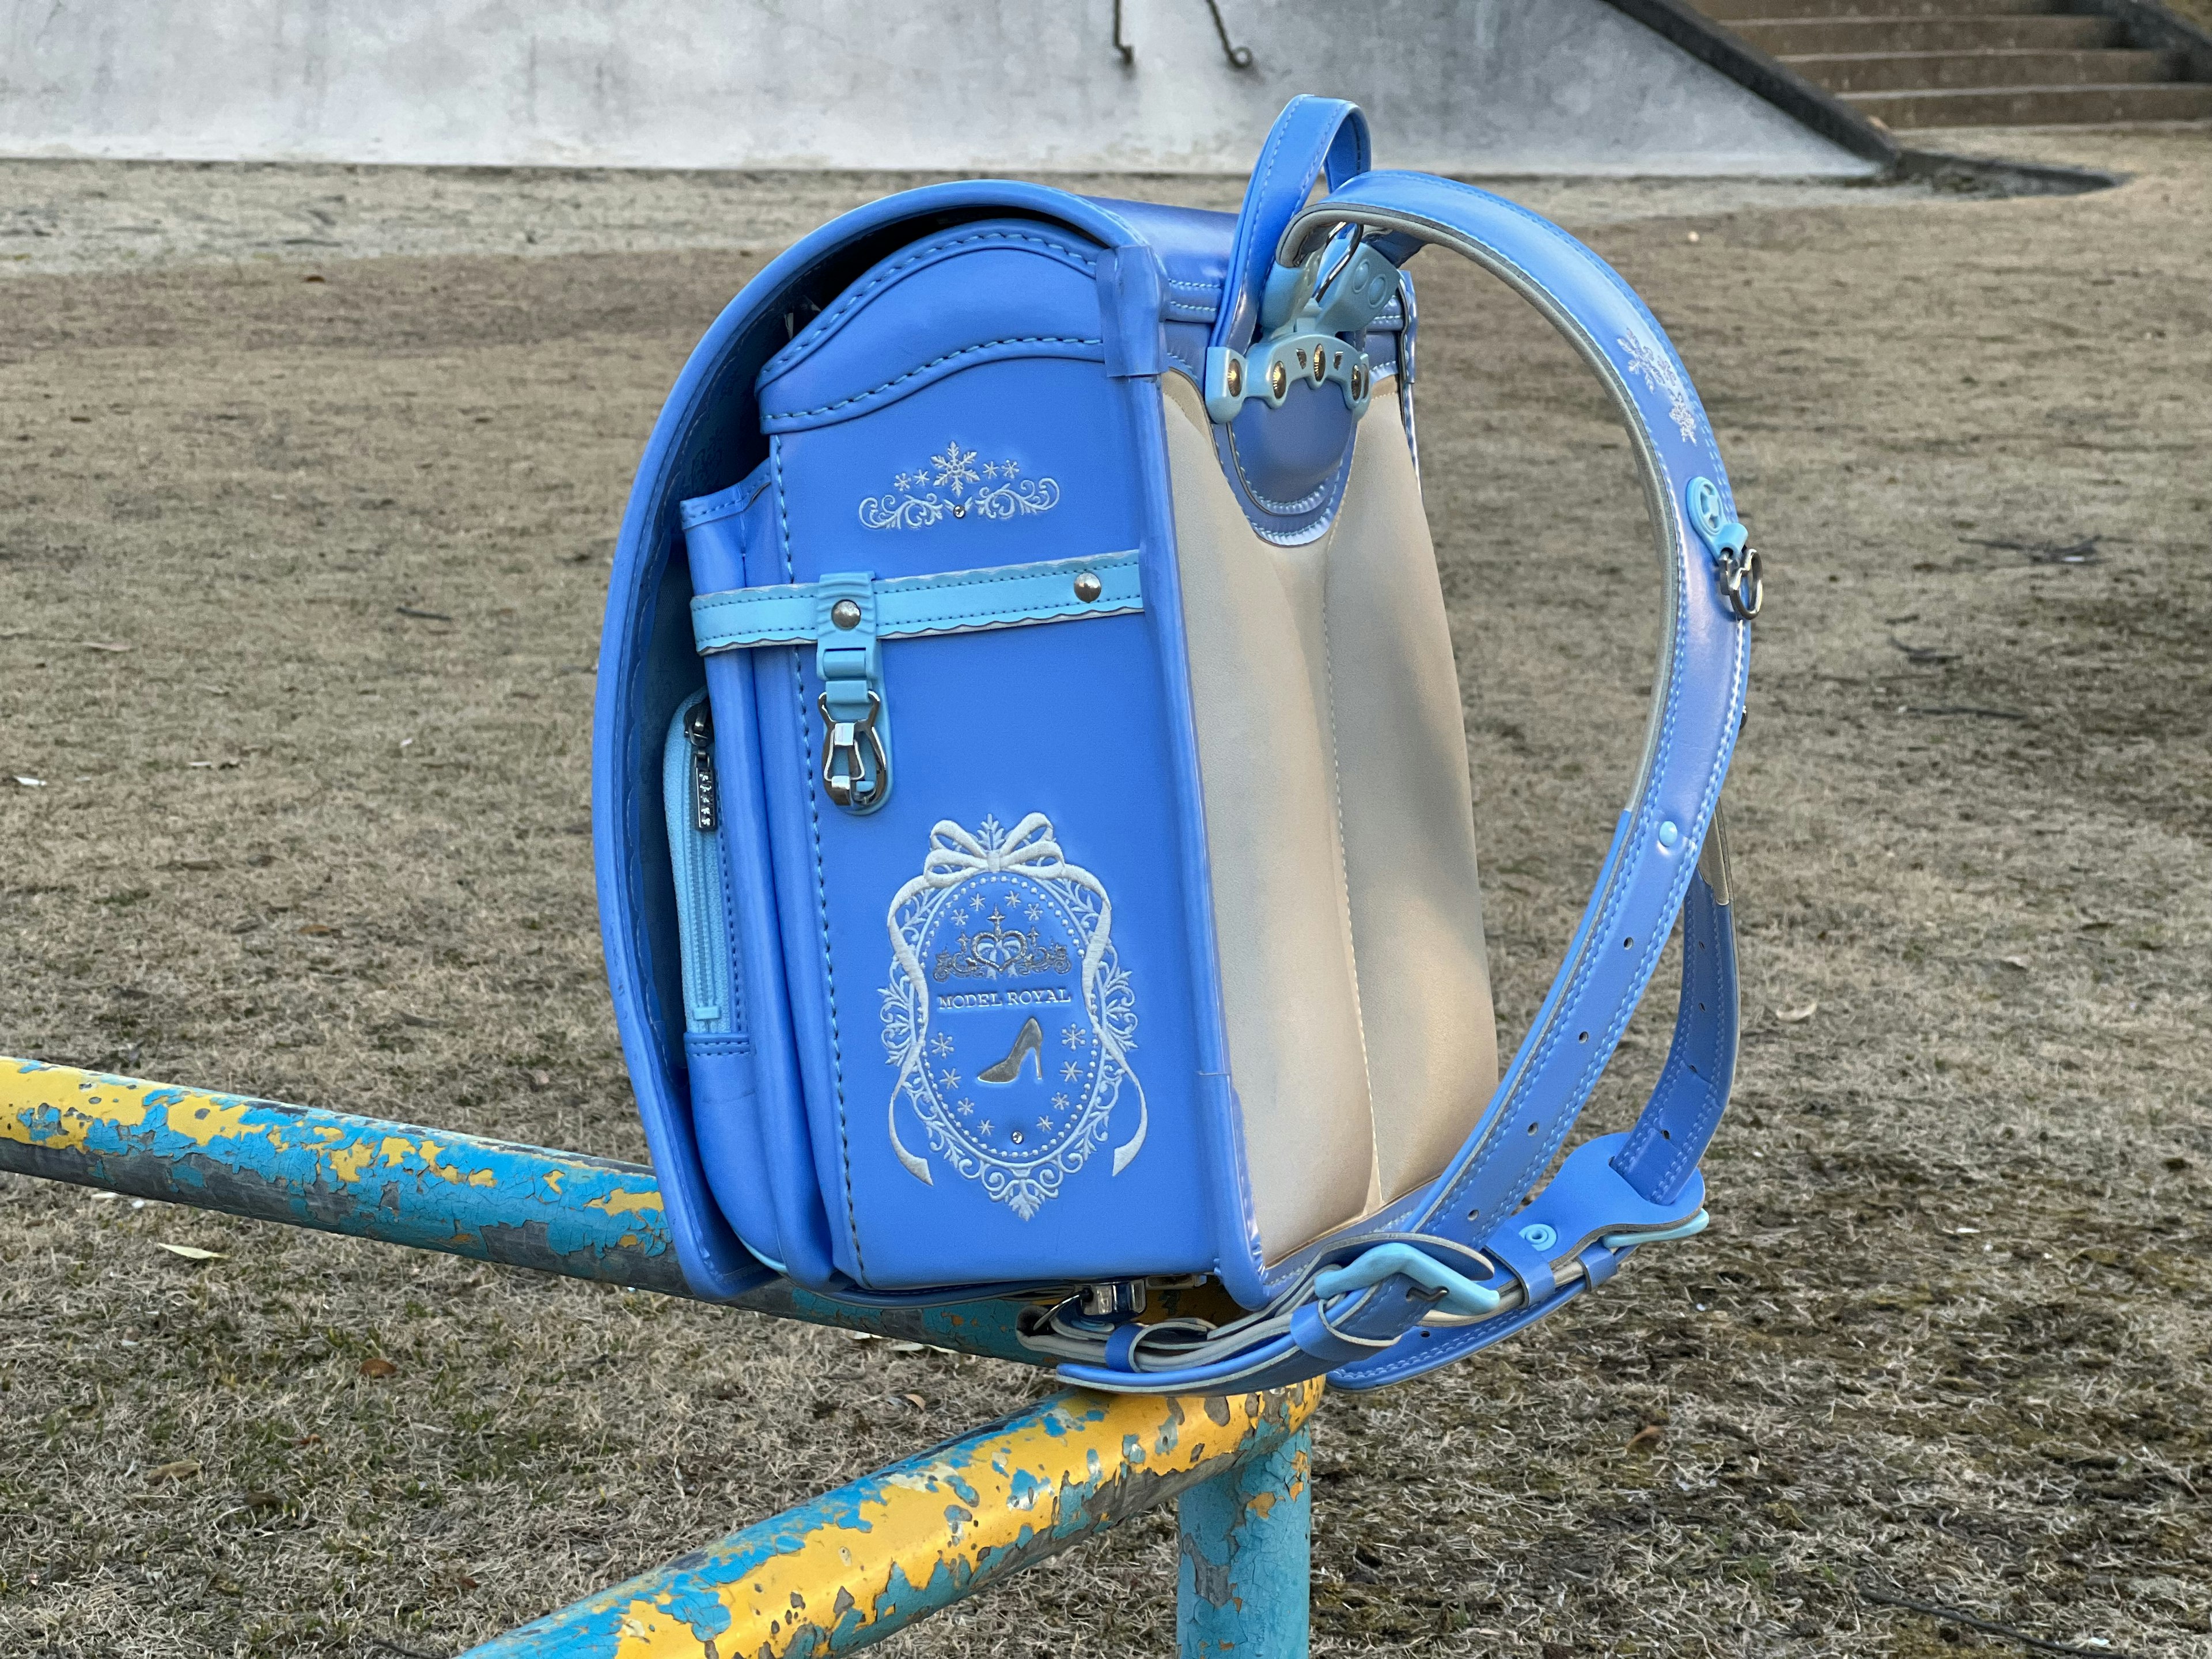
1949	1341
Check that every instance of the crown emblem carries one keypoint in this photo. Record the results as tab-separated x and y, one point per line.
987	953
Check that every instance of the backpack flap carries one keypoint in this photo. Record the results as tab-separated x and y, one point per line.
970	842
708	440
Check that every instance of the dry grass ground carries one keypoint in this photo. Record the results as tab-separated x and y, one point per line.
1948	1339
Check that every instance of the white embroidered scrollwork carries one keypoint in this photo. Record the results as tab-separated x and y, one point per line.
1650	361
983	1004
958	484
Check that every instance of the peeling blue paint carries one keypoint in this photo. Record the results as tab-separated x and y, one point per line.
1244	1578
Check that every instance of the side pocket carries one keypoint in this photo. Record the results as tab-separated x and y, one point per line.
716	1047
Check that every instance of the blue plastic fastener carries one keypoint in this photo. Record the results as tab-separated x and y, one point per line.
1670	835
1541	1236
1461	1295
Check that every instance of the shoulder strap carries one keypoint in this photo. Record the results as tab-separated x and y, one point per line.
1311	135
1346	1307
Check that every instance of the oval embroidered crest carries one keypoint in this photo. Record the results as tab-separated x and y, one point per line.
1008	1015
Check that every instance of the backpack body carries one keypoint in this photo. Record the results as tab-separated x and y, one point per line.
1032	807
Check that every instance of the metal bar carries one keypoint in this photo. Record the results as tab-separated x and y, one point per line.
1243	1586
526	1206
869	1559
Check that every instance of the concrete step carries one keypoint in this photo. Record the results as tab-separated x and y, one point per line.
1968	71
2034	106
1799	38
1736	11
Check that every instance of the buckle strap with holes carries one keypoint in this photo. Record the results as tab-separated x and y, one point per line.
847	615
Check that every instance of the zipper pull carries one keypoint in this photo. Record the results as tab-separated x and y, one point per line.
699	731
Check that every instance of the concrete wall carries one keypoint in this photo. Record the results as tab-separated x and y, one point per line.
1478	86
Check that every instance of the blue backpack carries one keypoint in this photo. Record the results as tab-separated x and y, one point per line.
1032	816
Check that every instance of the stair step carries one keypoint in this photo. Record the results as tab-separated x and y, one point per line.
1776	11
2033	106
1981	71
1862	36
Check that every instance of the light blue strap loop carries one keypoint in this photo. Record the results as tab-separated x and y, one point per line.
906	607
848	614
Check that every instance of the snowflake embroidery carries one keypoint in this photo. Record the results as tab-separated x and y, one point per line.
1070	1073
1060	1102
1072	1037
958	483
1045	1124
1650	361
940	1045
948	1079
984	1128
956	468
967	1108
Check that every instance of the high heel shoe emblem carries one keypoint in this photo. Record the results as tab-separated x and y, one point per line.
1029	1046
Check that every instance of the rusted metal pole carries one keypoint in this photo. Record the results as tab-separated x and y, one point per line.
526	1207
869	1559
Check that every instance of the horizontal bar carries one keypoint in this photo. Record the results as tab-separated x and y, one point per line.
432	1189
855	1566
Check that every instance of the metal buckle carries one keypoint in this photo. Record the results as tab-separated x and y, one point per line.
1743	581
845	771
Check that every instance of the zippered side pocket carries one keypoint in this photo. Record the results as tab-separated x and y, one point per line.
718	1050
710	988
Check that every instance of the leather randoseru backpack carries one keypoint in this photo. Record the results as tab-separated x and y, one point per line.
1032	809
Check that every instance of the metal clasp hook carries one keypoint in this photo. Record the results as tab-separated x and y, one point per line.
857	781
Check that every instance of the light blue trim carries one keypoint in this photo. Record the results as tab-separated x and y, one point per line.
951	602
1696	1224
1461	1295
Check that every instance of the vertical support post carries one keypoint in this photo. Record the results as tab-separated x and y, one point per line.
1243	1585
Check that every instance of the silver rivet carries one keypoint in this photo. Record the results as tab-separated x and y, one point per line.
1088	586
1319	366
1278	378
845	613
1233	377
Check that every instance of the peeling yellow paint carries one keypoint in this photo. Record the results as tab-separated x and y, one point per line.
948	1514
203	1119
350	1161
625	1203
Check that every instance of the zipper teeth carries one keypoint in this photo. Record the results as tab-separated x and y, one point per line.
702	934
706	931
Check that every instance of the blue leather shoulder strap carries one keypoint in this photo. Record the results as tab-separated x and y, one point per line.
1617	1193
1311	134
